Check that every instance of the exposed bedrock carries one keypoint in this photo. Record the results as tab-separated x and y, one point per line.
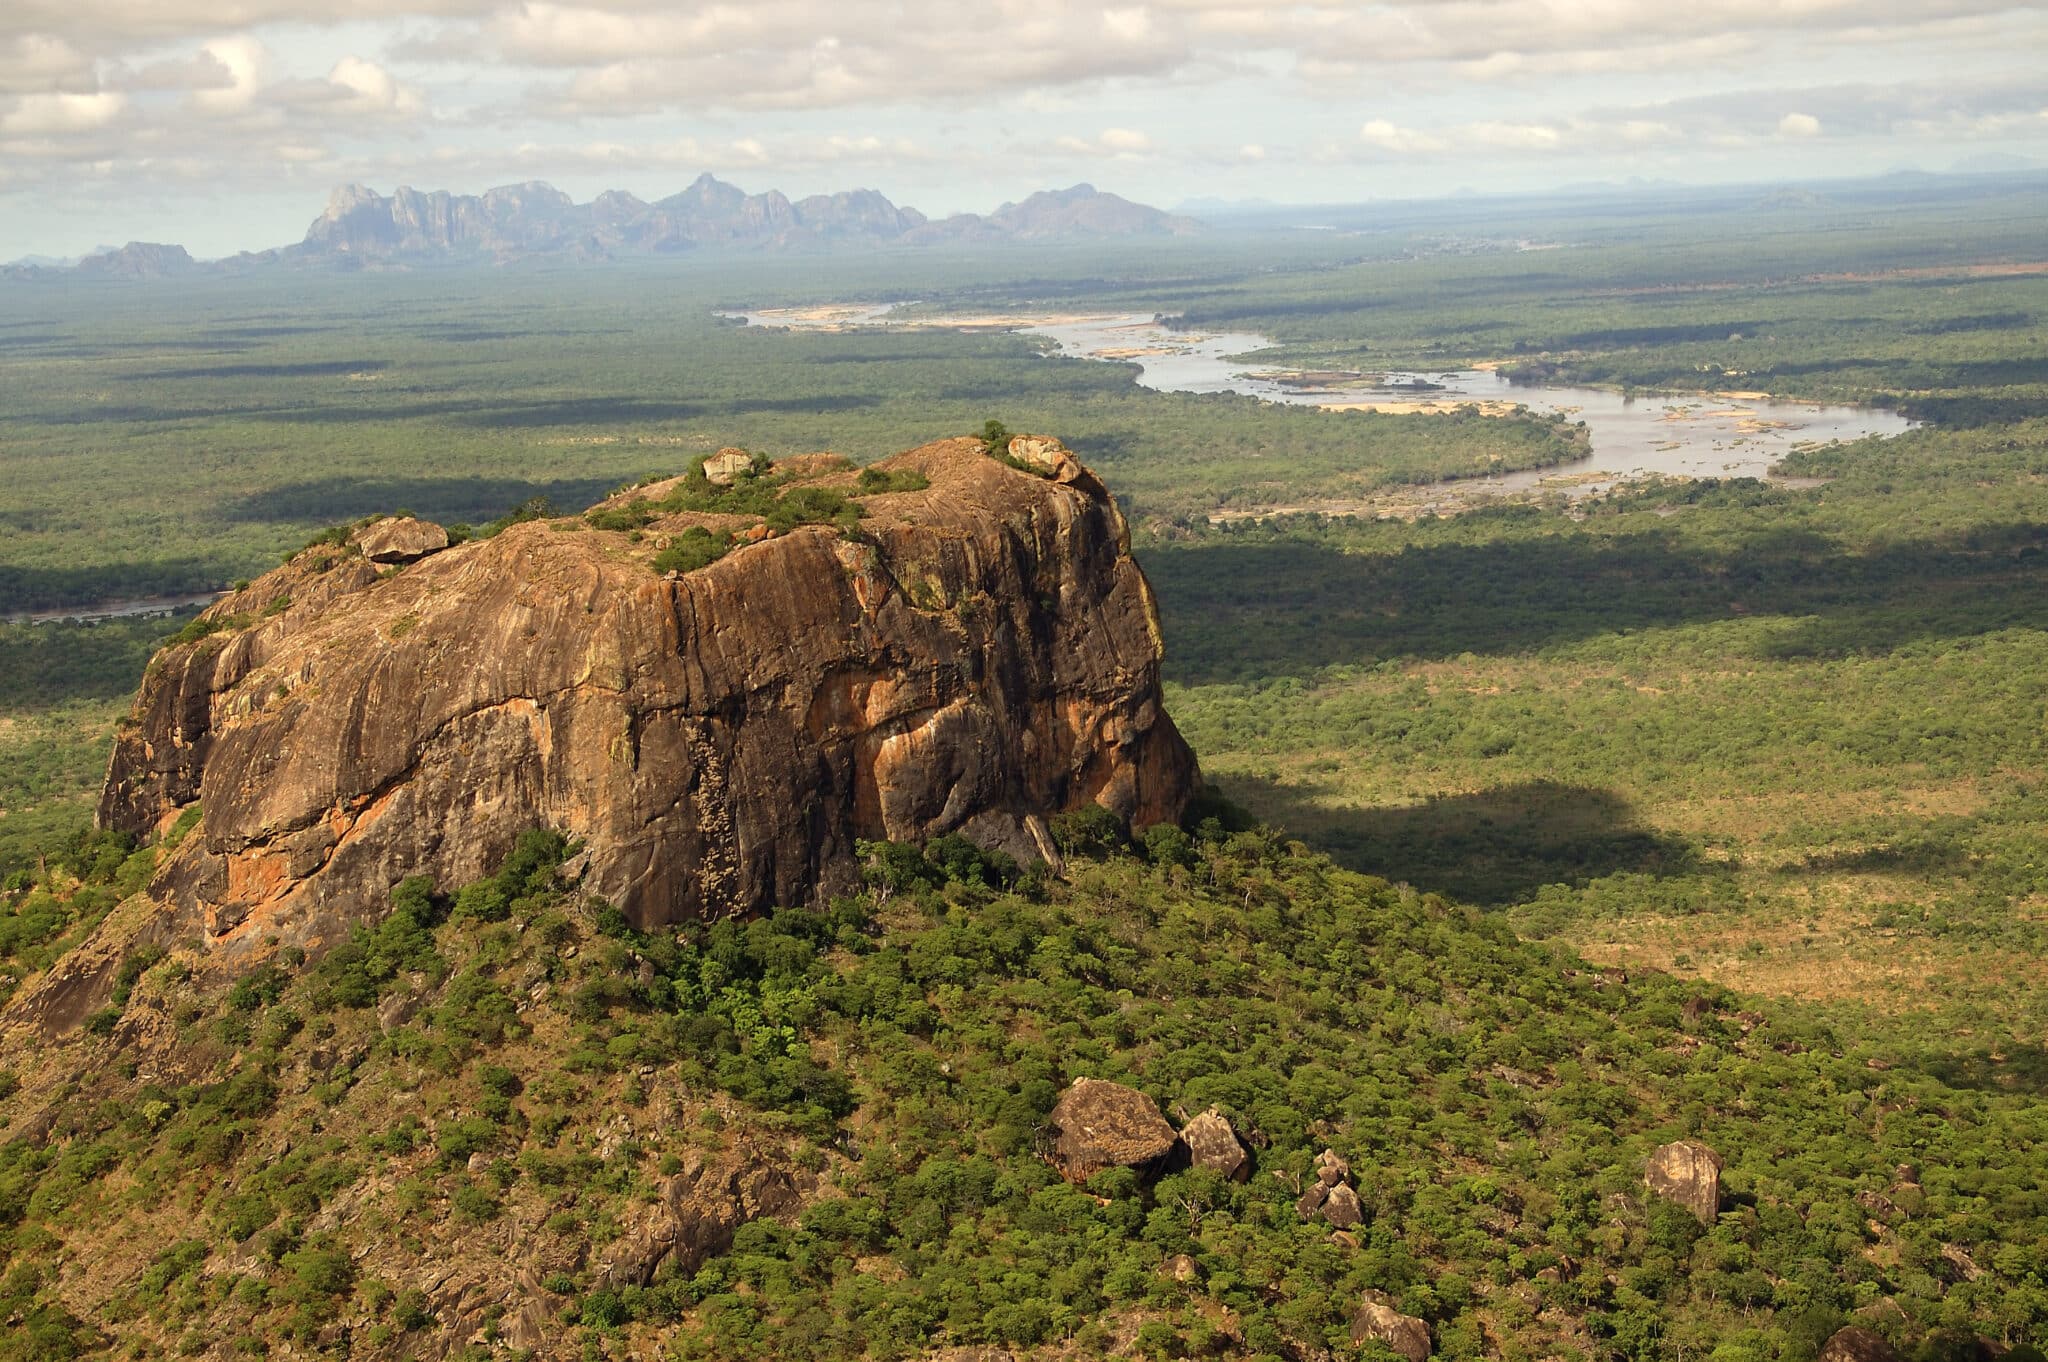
981	654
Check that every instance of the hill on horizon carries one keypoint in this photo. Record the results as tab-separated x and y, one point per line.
535	220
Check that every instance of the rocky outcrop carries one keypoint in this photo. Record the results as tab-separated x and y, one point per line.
1857	1344
695	1215
400	539
1688	1173
727	466
536	219
1213	1145
1097	1125
1331	1196
974	657
1405	1334
140	260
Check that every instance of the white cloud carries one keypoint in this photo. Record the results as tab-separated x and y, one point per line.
1120	144
246	61
1799	125
38	62
1515	136
1643	131
56	114
1401	141
371	89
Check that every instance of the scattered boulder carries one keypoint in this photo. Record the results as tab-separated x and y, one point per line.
400	539
1405	1334
1181	1268
1342	1208
1959	1260
1331	1195
1098	1124
1213	1145
727	466
1688	1173
1040	451
1856	1344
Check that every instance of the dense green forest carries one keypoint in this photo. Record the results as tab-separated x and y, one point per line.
1494	1099
1776	751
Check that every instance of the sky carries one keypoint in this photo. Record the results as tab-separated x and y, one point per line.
224	124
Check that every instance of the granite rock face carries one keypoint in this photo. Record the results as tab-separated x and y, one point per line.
978	656
1405	1334
1098	1125
400	539
1213	1145
1688	1173
1857	1344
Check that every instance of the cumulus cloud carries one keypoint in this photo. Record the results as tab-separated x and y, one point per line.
243	62
367	88
1799	125
1109	144
800	54
1516	136
39	61
1388	136
45	114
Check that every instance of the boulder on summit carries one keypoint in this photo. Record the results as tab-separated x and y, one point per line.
400	539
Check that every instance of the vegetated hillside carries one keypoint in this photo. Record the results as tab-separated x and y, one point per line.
503	1121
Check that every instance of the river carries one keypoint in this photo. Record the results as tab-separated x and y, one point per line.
112	610
1700	435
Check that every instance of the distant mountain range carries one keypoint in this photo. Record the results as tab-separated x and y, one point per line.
535	221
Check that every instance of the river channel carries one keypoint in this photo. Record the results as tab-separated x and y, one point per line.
1698	435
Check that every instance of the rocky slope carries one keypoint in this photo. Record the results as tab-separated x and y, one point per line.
973	656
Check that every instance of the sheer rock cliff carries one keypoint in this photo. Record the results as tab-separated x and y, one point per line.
976	656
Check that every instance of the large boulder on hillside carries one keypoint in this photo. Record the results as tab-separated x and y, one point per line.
1098	1125
1687	1173
728	466
1213	1145
1405	1334
1857	1344
400	539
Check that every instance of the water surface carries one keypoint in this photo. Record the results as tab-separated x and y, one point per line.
1698	435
